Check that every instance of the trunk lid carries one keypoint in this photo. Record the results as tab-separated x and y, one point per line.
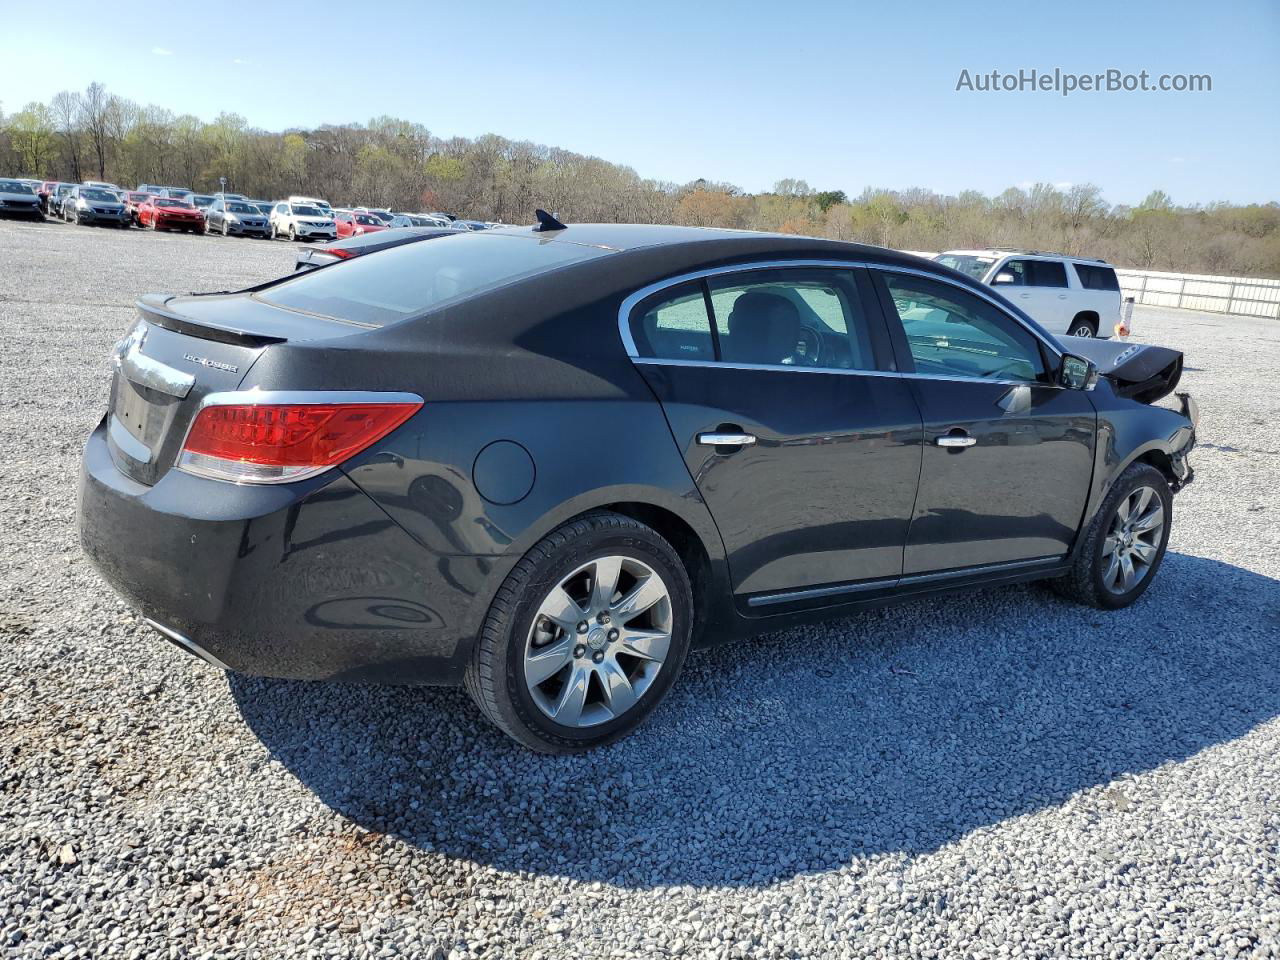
180	351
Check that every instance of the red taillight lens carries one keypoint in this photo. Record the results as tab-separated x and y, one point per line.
339	253
280	442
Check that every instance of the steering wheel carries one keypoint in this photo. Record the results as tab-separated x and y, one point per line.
808	350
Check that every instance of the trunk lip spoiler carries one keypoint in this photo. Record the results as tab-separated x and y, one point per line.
154	308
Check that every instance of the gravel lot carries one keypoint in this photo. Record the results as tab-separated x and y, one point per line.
1001	774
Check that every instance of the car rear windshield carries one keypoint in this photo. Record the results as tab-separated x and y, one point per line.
405	281
974	266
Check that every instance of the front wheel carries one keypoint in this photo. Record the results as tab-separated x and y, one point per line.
585	637
293	233
1124	543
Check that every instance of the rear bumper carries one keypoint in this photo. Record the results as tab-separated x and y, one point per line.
308	581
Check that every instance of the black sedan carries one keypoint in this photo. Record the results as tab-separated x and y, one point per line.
546	463
338	250
17	199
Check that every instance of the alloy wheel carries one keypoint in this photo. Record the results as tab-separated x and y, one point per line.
1084	330
597	641
1133	542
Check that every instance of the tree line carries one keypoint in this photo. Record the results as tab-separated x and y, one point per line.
95	134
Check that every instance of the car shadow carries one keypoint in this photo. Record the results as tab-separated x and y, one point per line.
897	730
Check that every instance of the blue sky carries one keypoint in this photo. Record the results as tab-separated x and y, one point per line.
843	95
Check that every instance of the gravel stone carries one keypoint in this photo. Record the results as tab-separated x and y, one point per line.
996	774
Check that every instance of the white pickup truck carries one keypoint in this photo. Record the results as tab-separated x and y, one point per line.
1072	295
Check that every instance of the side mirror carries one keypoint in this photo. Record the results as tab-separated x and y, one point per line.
1077	373
1004	276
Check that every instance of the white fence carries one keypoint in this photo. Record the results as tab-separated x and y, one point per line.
1243	295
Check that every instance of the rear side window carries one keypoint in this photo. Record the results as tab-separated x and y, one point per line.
1046	273
1096	278
800	318
674	325
408	280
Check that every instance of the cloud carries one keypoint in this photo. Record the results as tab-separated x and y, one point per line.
241	62
161	52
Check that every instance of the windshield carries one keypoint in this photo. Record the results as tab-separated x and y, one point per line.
970	264
368	221
300	211
102	196
417	277
171	202
242	208
14	186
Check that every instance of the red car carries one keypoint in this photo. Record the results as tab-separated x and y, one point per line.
170	213
353	223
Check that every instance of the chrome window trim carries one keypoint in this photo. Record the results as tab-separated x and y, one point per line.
633	300
842	371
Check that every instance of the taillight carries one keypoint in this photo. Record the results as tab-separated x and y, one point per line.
339	253
265	438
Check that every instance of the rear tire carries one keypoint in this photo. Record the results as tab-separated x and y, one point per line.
566	563
1097	573
1083	327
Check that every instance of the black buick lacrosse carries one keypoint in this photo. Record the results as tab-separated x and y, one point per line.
547	462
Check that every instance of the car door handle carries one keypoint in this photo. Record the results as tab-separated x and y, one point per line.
726	439
955	440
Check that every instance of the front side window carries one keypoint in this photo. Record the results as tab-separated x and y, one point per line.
952	333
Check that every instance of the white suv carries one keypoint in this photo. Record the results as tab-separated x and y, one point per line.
302	221
1071	295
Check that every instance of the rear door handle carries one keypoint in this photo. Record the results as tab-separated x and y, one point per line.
726	439
955	440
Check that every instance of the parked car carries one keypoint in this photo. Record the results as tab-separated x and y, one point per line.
312	257
313	202
201	201
178	193
469	225
132	200
239	217
384	216
403	489
1072	295
17	199
92	205
414	220
264	206
354	223
58	198
170	213
301	221
44	192
100	184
